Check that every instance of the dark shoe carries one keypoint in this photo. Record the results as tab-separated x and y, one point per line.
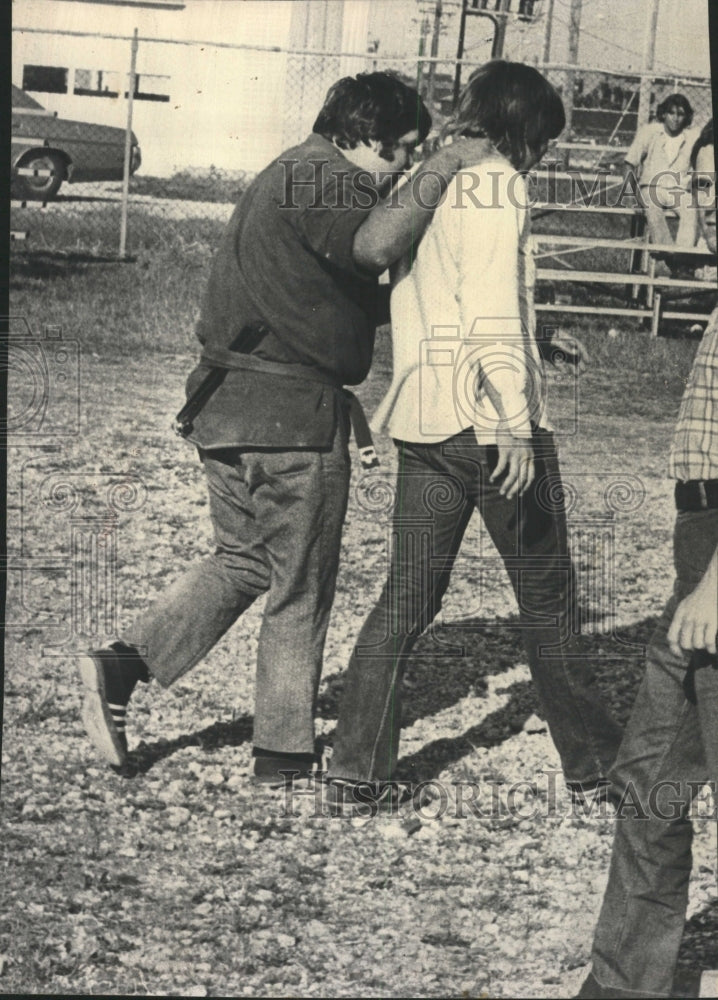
683	273
683	265
345	797
689	983
278	769
109	677
592	990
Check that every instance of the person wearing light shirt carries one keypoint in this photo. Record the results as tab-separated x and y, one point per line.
670	748
660	154
467	411
474	319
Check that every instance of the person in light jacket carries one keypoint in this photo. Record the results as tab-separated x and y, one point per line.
467	411
660	158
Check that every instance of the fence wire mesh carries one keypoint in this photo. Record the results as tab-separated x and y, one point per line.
186	173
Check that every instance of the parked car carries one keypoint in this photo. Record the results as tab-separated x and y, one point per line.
62	150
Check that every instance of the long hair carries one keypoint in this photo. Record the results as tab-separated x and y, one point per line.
675	100
371	106
513	105
704	139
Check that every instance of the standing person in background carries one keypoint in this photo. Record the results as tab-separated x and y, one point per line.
670	748
288	318
660	156
703	165
467	411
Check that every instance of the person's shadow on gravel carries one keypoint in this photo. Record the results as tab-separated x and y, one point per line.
448	663
451	662
231	733
699	950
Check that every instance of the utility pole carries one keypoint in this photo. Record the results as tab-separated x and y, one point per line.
438	11
574	30
422	51
548	31
460	52
499	17
502	17
574	37
649	57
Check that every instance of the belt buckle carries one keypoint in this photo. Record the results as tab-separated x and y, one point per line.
702	495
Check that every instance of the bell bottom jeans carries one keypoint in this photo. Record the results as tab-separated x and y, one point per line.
277	518
438	488
669	751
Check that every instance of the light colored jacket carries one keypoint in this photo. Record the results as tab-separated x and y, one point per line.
659	163
463	322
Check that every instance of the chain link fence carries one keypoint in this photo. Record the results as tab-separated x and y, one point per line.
173	152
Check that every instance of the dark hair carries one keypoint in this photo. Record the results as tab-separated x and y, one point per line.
371	106
704	139
513	105
675	100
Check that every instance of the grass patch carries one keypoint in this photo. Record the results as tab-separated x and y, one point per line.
632	374
151	306
148	306
193	185
93	227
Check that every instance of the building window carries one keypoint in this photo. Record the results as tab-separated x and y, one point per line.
45	79
97	83
147	4
149	87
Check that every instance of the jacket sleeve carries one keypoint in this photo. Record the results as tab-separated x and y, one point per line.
639	147
326	205
489	296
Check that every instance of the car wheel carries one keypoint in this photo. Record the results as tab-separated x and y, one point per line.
41	187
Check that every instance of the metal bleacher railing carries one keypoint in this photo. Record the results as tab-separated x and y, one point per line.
613	270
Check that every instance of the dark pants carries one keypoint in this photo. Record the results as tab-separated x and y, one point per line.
438	488
669	751
277	518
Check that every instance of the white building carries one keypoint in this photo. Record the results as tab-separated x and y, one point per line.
209	91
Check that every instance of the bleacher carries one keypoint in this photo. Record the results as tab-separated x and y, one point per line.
627	284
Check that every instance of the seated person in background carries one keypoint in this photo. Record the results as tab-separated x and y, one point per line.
660	156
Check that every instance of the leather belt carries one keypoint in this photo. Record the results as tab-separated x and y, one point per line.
221	359
697	494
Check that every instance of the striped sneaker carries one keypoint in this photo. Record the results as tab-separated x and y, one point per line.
109	677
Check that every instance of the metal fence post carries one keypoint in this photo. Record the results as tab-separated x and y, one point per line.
128	144
649	55
569	97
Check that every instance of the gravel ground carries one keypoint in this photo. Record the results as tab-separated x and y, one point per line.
179	878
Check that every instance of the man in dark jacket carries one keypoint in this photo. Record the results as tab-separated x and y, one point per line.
288	319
